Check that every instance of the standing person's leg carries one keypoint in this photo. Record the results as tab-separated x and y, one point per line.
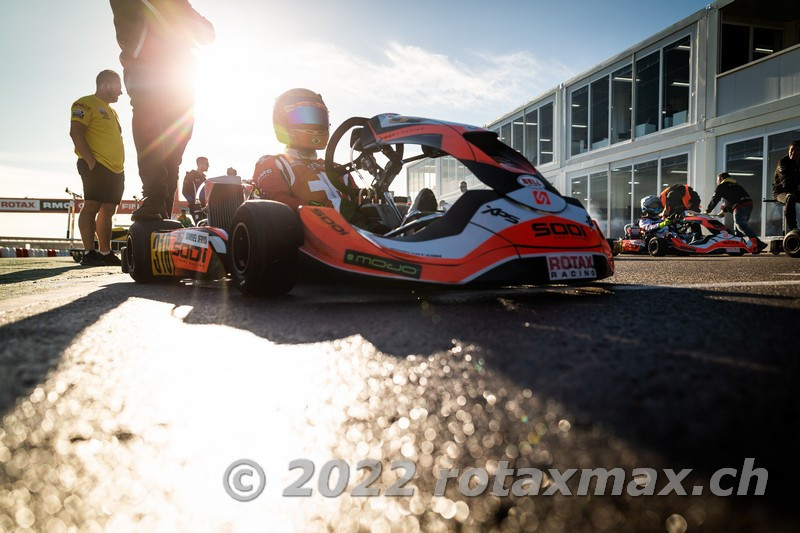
179	108
789	201
104	216
87	224
91	204
149	126
741	219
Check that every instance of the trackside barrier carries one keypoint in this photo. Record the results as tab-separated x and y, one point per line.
7	252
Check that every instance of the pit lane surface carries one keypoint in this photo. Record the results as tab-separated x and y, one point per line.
124	404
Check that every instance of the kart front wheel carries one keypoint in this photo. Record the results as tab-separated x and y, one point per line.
138	256
657	247
264	240
791	243
615	246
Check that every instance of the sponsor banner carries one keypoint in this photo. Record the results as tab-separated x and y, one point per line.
59	205
382	264
19	205
564	267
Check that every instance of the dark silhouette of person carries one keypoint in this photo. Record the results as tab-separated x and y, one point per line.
156	38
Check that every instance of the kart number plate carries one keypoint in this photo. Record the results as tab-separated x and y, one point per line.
732	250
563	267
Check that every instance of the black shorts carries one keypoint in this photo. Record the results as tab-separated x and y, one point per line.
101	184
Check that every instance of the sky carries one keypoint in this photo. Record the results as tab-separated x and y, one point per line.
466	61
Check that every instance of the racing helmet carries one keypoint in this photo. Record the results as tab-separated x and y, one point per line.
300	119
651	206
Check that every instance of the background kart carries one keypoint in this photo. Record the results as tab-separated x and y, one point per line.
518	231
679	239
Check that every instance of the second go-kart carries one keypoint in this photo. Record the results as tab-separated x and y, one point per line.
519	230
680	240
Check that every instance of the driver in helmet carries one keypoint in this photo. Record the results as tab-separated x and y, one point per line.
652	223
297	176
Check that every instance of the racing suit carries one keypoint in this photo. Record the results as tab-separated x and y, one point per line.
651	226
298	178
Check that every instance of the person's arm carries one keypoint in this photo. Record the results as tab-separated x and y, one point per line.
77	131
714	200
200	29
272	185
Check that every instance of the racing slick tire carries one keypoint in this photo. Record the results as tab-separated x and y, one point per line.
657	247
137	255
791	243
264	241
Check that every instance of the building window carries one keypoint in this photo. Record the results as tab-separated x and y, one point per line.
674	170
579	120
647	77
517	127
505	133
599	122
546	134
597	206
740	44
744	161
579	189
645	183
531	135
621	90
675	108
449	180
621	212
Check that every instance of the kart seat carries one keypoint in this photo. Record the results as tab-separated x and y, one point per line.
451	222
424	204
633	232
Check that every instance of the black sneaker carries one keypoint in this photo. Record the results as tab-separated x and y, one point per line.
93	258
111	259
152	208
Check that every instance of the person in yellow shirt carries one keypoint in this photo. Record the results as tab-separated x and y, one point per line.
97	136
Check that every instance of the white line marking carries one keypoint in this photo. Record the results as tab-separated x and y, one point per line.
706	285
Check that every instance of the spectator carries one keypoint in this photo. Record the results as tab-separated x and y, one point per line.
97	136
785	185
462	187
156	38
231	172
192	182
735	200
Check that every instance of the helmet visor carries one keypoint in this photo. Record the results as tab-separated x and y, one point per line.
307	115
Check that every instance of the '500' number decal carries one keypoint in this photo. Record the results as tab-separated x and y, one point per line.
558	229
161	252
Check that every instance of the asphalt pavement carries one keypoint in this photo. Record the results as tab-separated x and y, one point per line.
125	407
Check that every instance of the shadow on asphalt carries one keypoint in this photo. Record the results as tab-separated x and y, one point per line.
701	377
34	274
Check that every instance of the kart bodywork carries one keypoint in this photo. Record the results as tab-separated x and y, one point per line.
519	230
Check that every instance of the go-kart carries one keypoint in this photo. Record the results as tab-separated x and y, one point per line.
634	241
519	230
680	239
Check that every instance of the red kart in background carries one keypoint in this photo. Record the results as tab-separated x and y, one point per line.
680	240
519	230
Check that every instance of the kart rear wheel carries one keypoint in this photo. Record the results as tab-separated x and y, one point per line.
657	247
791	243
138	253
264	240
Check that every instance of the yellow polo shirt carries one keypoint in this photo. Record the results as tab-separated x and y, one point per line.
103	132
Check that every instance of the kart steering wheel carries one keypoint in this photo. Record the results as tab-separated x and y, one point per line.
361	159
